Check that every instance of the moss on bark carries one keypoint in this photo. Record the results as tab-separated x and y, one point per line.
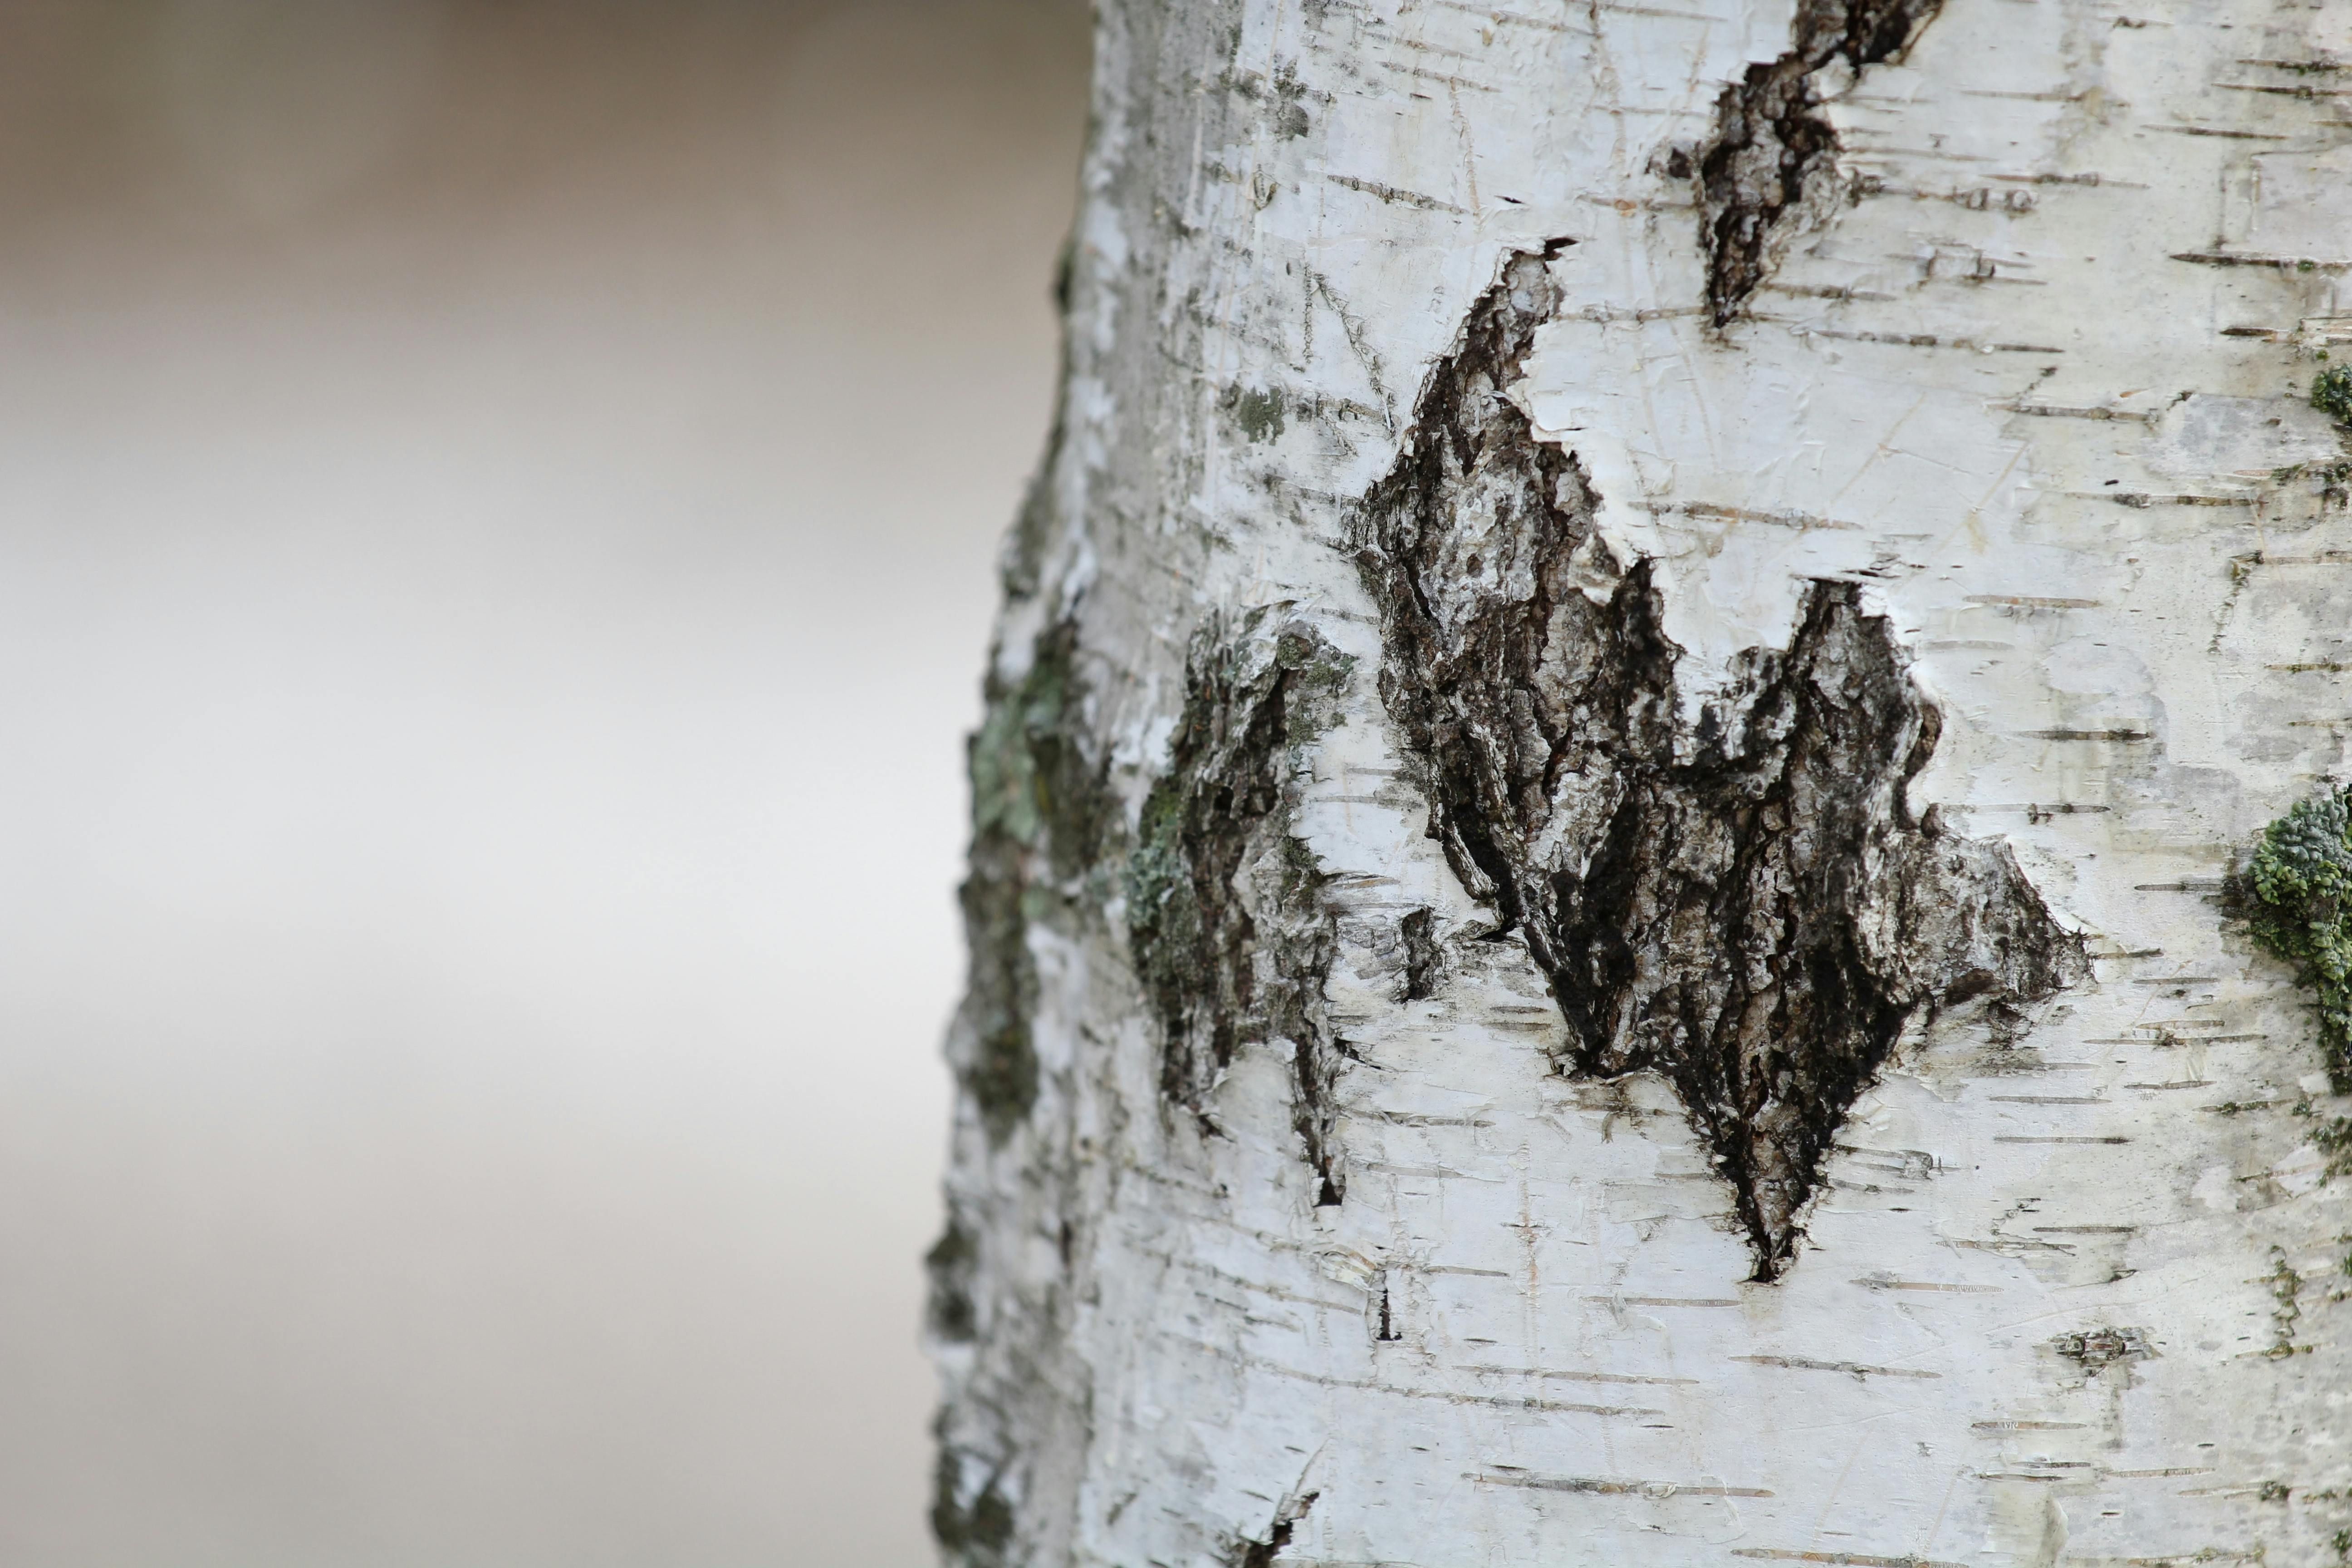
2301	883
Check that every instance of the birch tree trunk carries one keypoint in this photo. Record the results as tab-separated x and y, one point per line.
1604	906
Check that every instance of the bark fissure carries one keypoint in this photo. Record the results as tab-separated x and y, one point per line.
1774	152
1230	933
1741	900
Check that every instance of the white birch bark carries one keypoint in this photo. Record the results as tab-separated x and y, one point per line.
1358	1251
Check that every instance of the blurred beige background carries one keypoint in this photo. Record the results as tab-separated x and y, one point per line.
497	508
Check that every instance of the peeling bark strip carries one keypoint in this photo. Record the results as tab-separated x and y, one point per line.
1040	810
1743	904
1230	937
1773	149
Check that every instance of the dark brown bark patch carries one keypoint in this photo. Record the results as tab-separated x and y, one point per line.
1773	148
1230	934
1424	956
1737	898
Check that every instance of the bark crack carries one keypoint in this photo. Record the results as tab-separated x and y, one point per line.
1741	901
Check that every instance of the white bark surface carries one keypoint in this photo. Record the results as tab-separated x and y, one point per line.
2070	1288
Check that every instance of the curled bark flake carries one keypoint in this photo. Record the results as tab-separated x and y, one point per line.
1228	928
1741	902
1773	152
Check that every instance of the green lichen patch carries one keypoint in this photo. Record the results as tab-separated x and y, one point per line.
1226	922
2331	393
973	1532
950	1264
2300	884
2332	1136
1257	410
1041	810
1033	784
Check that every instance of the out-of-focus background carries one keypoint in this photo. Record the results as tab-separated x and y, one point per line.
498	501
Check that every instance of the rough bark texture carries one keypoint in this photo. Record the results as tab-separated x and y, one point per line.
1742	902
1609	898
1772	156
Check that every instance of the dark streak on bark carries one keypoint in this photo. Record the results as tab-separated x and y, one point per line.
1742	902
1773	148
1230	937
